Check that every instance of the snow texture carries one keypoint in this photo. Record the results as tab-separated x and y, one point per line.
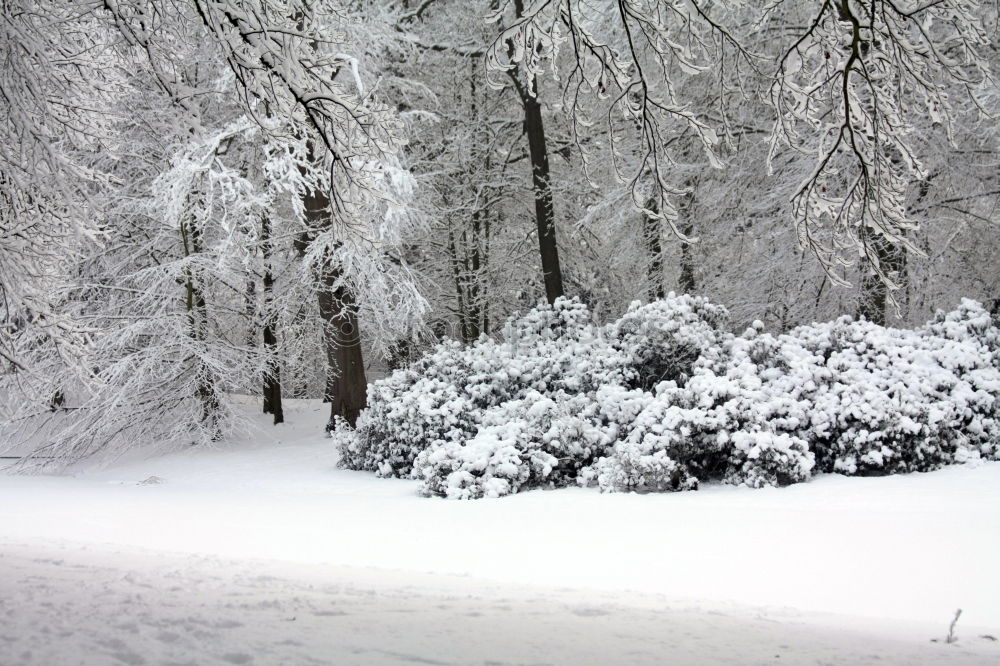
65	605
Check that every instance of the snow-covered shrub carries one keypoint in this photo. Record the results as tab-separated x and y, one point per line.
548	356
534	441
969	323
663	340
890	400
760	387
656	454
726	423
762	458
402	419
665	399
557	348
491	464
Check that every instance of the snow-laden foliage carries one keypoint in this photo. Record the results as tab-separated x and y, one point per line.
665	398
665	338
891	400
446	395
532	441
883	65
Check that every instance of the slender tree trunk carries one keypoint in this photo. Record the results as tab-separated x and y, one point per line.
541	181
685	282
544	214
652	235
197	316
874	295
475	302
485	296
251	311
456	272
272	373
474	291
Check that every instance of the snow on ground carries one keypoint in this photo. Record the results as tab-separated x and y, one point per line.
206	563
64	605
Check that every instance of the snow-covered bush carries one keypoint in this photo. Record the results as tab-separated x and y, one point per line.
726	423
546	358
534	441
665	399
897	401
663	340
656	454
557	348
491	464
970	324
402	419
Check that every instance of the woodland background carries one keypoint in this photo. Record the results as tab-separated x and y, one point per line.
286	198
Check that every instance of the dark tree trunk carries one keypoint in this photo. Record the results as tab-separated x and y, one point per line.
874	294
685	282
475	302
197	316
541	181
251	312
474	292
871	302
272	373
540	178
484	295
346	384
456	272
652	235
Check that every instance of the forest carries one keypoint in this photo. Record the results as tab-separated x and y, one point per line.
204	199
584	332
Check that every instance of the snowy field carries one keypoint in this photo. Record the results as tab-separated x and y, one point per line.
265	553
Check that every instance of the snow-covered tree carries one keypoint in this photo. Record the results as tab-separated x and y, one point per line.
265	117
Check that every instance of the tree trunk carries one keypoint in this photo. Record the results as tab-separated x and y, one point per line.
346	384
652	235
874	294
475	278
272	372
686	282
456	273
251	311
475	289
541	182
544	214
197	316
484	295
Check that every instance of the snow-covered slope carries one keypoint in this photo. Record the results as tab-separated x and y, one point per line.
893	556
